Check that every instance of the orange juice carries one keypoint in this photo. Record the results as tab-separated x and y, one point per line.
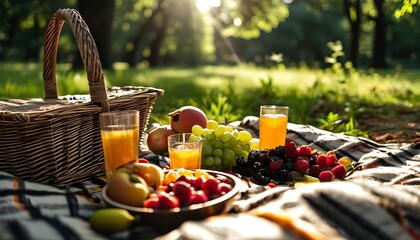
273	129
120	147
184	156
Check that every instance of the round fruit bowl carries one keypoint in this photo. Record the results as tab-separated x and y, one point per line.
167	220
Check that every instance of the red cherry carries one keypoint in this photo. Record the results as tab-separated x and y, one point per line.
169	187
224	188
167	201
182	190
198	183
211	186
151	203
223	179
186	179
197	197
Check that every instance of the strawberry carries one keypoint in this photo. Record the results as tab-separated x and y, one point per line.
331	153
331	160
291	149
301	166
304	151
339	171
322	160
326	176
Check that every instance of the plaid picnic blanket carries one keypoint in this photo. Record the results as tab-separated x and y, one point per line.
30	210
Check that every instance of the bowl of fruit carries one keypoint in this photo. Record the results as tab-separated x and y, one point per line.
164	199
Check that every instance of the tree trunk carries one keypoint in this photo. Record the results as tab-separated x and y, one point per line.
156	44
132	56
379	46
354	28
98	15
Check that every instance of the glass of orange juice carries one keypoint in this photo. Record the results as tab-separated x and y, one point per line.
120	138
185	151
273	126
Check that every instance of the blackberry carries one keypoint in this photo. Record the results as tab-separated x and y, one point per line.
282	175
288	166
257	165
271	152
243	171
247	172
288	160
260	178
273	158
263	154
280	152
237	169
254	155
241	161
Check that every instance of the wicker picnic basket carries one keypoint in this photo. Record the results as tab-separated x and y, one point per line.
57	140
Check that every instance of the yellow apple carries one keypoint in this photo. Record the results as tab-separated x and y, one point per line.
127	188
151	173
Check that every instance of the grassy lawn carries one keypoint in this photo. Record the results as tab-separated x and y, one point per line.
231	93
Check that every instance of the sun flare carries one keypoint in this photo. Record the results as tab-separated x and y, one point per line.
206	5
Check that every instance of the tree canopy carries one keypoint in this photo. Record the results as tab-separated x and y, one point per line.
195	32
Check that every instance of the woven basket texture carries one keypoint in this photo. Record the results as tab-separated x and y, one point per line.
57	140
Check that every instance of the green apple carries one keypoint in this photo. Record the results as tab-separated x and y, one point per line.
127	188
151	173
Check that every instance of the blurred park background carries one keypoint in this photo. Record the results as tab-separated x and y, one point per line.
348	66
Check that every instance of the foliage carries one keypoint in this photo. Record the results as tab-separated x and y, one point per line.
247	18
231	93
334	123
407	7
220	109
298	31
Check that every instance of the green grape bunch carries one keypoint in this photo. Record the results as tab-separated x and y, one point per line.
222	144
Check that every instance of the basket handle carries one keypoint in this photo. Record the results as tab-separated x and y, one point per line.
88	52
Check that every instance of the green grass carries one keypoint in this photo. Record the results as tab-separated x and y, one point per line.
229	93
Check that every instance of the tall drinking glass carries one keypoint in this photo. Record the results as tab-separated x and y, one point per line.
185	151
120	138
273	126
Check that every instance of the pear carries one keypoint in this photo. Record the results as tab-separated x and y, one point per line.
111	220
